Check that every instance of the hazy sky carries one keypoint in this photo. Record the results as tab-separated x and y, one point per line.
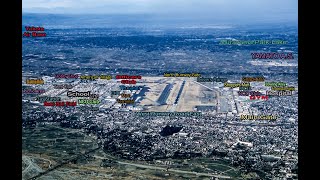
269	10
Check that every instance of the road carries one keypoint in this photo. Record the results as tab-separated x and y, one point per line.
31	166
63	163
169	170
175	170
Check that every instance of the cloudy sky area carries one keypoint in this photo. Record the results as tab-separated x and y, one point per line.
228	10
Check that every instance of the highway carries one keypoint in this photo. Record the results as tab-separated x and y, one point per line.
175	170
31	166
62	163
123	163
168	169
